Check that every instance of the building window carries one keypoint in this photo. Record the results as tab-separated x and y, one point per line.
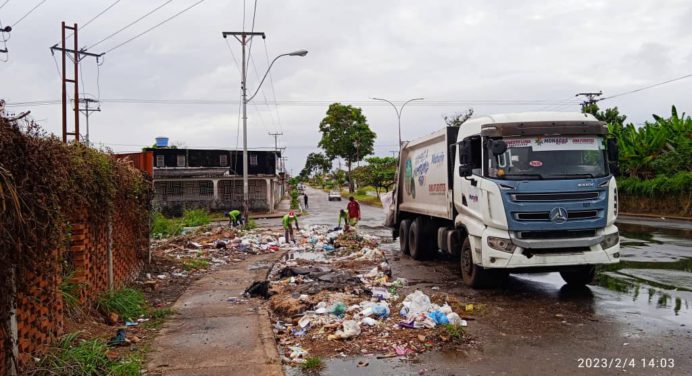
253	159
181	161
223	160
160	161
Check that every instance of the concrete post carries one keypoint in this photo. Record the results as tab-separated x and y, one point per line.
216	189
110	253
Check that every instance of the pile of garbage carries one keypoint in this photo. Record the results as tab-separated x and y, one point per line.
179	260
333	293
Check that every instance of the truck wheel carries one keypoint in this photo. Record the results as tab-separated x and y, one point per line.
580	276
404	229
472	274
416	240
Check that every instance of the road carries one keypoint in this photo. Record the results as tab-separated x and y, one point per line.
536	325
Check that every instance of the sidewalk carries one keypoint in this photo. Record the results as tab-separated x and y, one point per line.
209	336
282	208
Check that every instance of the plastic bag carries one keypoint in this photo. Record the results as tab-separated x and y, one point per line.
439	317
351	329
338	309
381	310
454	319
446	309
369	321
418	303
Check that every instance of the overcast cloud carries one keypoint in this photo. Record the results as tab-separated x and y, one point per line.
475	51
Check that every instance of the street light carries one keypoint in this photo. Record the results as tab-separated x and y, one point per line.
246	100
398	111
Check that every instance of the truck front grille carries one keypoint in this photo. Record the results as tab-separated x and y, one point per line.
545	216
557	234
563	196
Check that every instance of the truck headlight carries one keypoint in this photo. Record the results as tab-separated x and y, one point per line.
501	244
610	240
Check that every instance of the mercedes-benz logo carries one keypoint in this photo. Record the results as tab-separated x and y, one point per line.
558	215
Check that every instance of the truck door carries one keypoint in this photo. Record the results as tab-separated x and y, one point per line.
467	193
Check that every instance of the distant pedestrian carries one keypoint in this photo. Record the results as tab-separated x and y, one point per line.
234	218
343	216
288	220
353	211
305	200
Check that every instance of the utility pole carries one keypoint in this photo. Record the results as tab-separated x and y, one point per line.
276	135
394	153
244	38
86	111
591	98
77	56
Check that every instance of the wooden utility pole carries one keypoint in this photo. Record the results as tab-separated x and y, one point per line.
77	56
591	98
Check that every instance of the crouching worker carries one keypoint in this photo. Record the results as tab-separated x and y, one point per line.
288	220
234	218
343	216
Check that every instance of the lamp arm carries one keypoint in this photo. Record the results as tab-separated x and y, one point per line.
265	76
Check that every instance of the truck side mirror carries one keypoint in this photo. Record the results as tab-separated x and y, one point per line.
497	147
613	155
465	170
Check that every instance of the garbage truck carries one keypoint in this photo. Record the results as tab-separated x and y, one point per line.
511	193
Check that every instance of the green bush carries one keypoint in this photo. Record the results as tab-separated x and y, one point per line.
250	224
162	227
658	186
294	199
361	192
195	217
128	303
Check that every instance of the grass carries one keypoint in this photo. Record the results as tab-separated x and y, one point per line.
162	227
454	332
199	263
74	357
70	293
195	217
312	364
250	225
128	303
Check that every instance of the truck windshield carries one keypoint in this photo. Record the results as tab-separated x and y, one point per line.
554	157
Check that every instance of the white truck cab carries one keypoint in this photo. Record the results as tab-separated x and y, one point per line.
526	192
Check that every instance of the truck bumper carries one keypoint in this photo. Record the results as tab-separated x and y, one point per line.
543	258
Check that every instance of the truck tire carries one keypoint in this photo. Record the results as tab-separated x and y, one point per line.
472	274
416	240
580	276
404	229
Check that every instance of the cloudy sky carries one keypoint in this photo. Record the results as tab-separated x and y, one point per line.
492	55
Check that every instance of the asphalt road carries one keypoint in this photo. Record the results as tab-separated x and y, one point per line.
535	325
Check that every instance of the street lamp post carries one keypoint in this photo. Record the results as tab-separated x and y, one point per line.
243	38
399	111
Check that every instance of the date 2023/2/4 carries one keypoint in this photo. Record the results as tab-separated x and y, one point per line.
625	362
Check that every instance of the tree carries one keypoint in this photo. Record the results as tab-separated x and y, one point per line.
380	173
346	134
459	118
316	162
610	115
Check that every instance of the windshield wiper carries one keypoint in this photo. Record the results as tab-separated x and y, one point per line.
539	176
575	176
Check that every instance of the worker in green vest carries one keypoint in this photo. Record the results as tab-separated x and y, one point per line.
288	221
234	218
343	216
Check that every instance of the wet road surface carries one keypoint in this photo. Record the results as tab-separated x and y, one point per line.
637	311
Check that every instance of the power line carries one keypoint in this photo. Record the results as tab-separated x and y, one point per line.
5	3
99	15
156	26
646	87
131	23
313	102
28	13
